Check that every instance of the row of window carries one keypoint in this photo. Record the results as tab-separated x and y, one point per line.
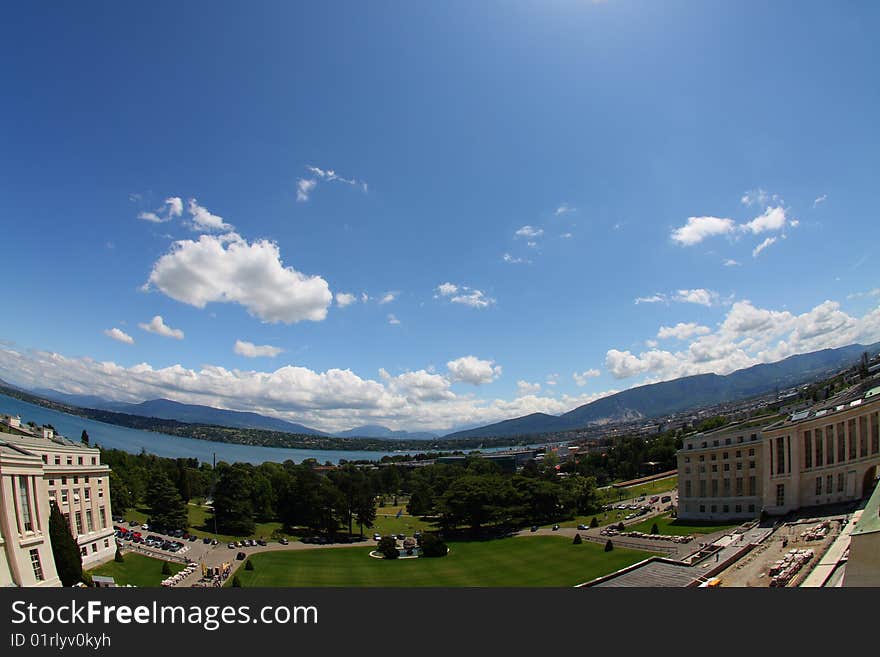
90	527
739	489
80	460
84	552
724	455
75	480
725	508
714	468
727	441
87	495
864	439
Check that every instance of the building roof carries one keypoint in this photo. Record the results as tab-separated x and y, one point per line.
870	520
38	442
842	402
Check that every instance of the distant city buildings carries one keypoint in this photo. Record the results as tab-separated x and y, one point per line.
36	468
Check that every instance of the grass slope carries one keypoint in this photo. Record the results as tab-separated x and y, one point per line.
523	562
674	527
137	570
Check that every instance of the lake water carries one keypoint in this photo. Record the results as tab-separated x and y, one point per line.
111	436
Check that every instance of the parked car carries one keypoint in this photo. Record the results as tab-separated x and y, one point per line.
283	541
534	528
377	537
555	527
666	498
261	542
231	546
582	527
206	540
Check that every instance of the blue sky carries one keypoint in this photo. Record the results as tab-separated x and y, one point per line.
431	215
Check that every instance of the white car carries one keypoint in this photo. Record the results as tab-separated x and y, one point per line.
377	537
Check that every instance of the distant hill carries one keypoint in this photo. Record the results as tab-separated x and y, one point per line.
378	431
166	409
683	394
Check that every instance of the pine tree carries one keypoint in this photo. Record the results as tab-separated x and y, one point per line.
609	546
167	510
84	438
68	560
118	558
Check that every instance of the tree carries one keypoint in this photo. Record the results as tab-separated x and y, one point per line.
577	539
594	522
68	560
166	568
387	547
432	546
609	545
236	583
248	565
120	498
167	509
84	437
621	527
655	529
233	508
118	558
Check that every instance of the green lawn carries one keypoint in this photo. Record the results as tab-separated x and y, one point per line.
525	561
613	495
673	526
201	523
137	570
604	517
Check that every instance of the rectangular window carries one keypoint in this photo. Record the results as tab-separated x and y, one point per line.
106	542
64	496
46	459
714	508
79	523
88	493
739	465
727	467
51	482
714	457
840	482
100	493
90	527
94	547
829	443
57	460
725	455
739	453
751	465
76	480
687	488
24	504
751	451
94	460
702	508
63	481
726	488
875	433
841	443
687	469
780	455
38	567
829	484
726	508
851	438
79	460
702	488
714	467
751	508
863	436
69	460
739	508
780	494
753	486
808	449
818	486
714	488
739	486
83	551
102	514
820	454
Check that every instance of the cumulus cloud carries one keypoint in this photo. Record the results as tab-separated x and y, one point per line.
447	289
119	335
763	245
470	369
392	319
529	231
304	187
172	207
772	219
731	263
344	299
699	228
748	335
524	388
388	297
700	296
682	331
755	197
564	208
514	261
655	298
158	326
581	378
464	295
229	269
202	219
251	350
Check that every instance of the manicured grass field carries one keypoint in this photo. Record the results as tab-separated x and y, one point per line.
673	526
137	570
613	495
201	523
524	561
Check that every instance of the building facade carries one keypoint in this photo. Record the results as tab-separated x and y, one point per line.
720	474
823	455
71	475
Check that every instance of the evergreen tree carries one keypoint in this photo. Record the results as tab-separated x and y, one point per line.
655	529
577	539
248	565
166	568
233	507
609	545
594	522
84	438
167	510
68	560
236	583
118	558
120	498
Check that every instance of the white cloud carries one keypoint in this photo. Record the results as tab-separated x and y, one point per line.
365	297
202	219
820	199
700	296
344	299
566	236
514	261
731	263
564	208
304	187
651	344
771	219
470	369
699	228
172	207
447	289
870	293
119	335
388	297
473	298
763	245
552	379
755	197
581	378
524	388
529	231
158	326
682	331
656	298
229	269
392	319
251	350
